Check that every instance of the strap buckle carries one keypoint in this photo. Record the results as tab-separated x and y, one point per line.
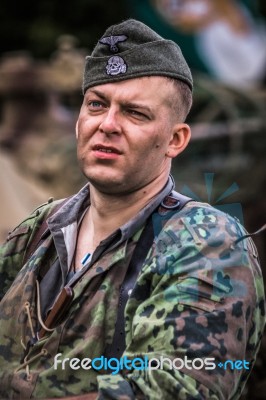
170	202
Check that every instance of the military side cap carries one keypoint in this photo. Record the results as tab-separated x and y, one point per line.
132	50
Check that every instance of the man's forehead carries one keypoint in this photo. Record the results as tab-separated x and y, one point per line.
133	87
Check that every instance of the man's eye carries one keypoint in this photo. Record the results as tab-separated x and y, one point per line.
137	114
94	104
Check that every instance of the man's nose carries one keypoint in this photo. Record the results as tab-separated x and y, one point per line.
111	122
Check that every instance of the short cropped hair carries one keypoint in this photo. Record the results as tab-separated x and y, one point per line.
182	102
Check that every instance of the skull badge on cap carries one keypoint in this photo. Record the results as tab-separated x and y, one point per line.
116	65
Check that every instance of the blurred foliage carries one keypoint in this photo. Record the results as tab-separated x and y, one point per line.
36	25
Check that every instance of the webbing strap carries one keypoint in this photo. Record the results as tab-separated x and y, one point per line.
144	244
175	201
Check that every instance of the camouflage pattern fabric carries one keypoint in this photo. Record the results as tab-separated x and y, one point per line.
200	294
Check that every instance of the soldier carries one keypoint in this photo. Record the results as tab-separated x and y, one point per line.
129	290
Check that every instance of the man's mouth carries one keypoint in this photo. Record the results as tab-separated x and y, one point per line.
106	149
102	152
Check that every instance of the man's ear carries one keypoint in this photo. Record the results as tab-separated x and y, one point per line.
179	140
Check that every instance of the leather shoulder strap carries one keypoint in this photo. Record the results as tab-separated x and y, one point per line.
174	201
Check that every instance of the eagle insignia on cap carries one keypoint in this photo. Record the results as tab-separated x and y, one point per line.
112	41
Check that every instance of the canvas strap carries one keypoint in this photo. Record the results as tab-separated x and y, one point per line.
174	201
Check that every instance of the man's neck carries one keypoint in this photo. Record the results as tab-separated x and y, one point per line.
108	212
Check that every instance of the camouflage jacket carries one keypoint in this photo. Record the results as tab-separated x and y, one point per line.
197	307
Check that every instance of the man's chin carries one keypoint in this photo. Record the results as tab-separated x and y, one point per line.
107	185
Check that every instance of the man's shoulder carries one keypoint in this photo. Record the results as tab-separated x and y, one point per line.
15	250
199	214
35	218
20	238
200	225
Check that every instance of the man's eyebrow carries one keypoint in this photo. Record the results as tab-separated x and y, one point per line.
140	106
97	92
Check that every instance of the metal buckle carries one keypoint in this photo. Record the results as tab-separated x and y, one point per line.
174	200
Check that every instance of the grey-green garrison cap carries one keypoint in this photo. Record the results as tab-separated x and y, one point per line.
132	50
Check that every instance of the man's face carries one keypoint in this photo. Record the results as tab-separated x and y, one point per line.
125	133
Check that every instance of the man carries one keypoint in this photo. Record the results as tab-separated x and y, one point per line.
132	291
